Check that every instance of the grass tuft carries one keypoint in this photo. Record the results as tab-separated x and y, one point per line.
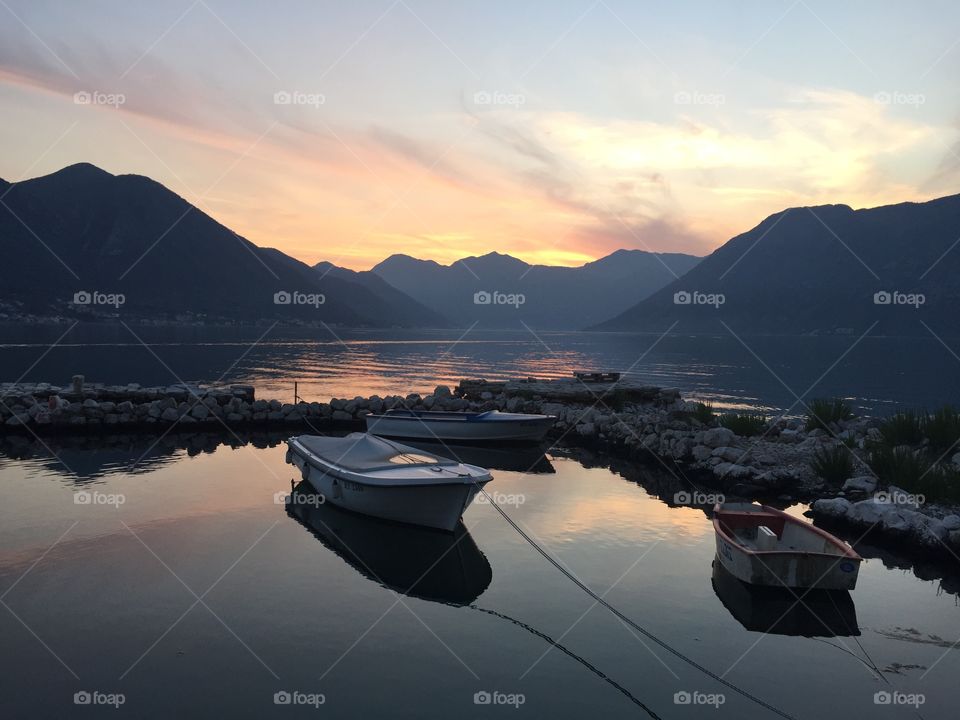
744	424
834	465
824	411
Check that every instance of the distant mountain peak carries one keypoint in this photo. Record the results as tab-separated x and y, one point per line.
81	170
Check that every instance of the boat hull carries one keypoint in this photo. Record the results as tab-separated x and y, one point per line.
421	428
794	570
798	555
436	506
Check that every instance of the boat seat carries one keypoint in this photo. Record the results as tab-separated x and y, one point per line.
766	538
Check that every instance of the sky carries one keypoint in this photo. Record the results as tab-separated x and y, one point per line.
556	131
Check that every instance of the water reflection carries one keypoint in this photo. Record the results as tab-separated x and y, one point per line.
418	562
780	611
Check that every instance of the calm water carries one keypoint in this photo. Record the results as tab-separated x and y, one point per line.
769	373
201	596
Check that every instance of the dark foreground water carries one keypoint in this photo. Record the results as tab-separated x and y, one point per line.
876	374
184	585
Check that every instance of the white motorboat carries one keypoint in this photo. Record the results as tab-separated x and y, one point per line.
463	426
761	545
373	476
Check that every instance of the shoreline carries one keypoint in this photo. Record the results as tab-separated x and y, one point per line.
645	424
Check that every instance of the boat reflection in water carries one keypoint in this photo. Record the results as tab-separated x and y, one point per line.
415	561
527	459
780	611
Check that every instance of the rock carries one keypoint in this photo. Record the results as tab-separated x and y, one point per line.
235	417
701	452
170	415
731	470
586	429
429	401
200	411
863	484
442	391
718	437
730	454
90	403
341	415
955	538
956	459
951	523
836	508
77	381
791	435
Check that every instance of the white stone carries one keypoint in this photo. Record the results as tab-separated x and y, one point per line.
718	437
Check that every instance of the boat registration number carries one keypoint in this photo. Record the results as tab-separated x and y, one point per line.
350	485
726	551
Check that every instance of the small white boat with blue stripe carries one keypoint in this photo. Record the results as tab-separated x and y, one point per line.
492	425
373	476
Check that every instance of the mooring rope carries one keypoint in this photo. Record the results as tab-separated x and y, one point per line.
567	651
646	633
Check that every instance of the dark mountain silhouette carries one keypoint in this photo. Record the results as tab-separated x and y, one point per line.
82	229
485	290
392	306
817	269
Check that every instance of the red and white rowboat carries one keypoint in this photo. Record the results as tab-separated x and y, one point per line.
761	545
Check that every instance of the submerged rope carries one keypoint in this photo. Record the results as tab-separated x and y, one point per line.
583	661
646	633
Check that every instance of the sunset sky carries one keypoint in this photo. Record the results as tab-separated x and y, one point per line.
554	131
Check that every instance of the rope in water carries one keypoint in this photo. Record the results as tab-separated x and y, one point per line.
646	633
583	661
